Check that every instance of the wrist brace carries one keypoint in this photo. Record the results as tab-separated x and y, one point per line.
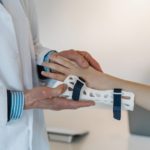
77	89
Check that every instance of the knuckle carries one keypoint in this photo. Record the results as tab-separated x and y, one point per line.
82	59
72	51
67	72
59	68
53	66
56	76
86	54
49	75
44	92
52	75
54	56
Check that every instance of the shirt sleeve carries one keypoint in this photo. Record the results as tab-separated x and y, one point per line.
12	105
15	104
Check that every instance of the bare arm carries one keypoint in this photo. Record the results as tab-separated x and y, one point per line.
98	80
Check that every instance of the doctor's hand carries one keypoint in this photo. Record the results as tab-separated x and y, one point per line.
48	98
82	58
63	67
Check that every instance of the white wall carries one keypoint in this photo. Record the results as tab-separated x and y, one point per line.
115	32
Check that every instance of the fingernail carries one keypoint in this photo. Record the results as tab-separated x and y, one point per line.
42	72
92	103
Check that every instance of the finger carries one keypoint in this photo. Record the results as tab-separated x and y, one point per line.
76	57
56	67
62	103
59	103
91	60
55	92
55	76
62	61
79	104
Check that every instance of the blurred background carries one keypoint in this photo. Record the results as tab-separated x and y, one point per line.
117	34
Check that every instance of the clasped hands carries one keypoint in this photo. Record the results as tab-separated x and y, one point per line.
79	63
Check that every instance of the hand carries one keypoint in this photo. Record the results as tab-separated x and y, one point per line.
82	58
48	98
64	67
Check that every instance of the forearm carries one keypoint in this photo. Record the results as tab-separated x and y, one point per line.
141	91
99	80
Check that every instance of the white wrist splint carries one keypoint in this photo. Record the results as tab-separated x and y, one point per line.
98	96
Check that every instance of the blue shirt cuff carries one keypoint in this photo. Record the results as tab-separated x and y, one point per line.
15	104
47	59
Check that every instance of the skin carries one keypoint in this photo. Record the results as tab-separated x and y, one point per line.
82	58
97	80
48	98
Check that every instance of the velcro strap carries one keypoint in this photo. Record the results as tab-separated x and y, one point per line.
76	91
117	104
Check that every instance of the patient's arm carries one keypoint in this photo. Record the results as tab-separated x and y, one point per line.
98	80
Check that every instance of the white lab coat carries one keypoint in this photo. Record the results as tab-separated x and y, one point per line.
19	52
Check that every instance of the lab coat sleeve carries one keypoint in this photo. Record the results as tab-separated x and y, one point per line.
5	40
10	76
40	50
3	106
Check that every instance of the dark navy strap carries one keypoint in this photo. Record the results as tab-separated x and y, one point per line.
76	91
117	104
8	104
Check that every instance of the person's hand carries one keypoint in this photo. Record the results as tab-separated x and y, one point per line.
63	67
82	58
48	98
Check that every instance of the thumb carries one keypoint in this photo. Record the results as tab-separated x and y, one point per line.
91	60
58	90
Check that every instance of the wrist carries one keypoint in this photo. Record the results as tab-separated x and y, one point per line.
102	81
106	82
111	82
93	78
28	104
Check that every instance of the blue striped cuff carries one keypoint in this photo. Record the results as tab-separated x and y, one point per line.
47	59
17	104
